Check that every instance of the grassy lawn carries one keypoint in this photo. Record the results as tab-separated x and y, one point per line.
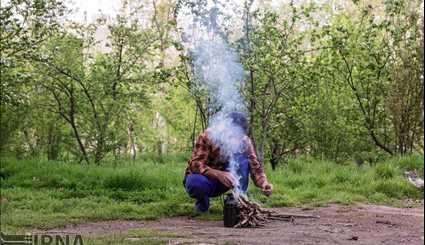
41	194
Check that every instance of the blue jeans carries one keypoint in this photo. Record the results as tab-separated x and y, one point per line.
201	187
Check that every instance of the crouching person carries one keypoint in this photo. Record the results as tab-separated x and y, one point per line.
207	174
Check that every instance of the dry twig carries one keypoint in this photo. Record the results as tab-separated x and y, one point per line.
252	215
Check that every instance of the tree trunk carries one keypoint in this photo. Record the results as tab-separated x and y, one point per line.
53	141
80	143
131	141
73	124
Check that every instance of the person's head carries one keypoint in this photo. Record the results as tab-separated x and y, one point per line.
240	120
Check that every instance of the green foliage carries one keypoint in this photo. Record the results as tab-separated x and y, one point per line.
328	90
385	171
335	103
332	84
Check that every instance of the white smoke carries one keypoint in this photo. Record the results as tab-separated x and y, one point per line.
228	137
217	69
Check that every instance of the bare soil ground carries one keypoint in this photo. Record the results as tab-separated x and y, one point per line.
359	224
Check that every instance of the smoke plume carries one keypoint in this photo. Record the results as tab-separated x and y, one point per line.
217	69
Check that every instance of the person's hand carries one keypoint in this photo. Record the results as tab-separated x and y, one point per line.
226	179
267	188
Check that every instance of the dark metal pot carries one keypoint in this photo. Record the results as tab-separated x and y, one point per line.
231	211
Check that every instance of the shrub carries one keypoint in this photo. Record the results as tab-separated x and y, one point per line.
385	171
409	163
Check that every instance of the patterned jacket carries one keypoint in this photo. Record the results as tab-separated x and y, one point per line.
207	155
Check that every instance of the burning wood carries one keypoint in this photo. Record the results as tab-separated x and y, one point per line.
250	214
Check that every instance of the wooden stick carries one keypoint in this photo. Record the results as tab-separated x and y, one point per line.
252	215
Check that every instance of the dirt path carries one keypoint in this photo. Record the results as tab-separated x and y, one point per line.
361	224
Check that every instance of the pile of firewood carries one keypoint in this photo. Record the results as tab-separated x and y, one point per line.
252	215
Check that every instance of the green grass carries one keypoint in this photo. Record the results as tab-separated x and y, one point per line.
314	182
41	194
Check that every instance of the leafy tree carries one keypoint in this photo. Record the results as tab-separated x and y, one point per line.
93	93
25	26
406	91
